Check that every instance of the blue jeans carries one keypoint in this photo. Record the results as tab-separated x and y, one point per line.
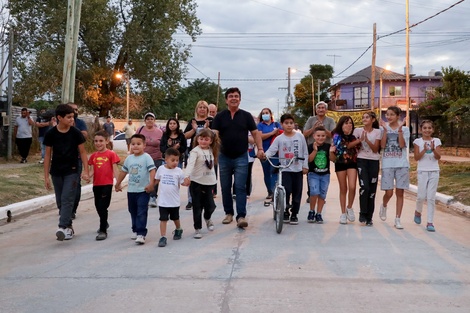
137	203
318	184
270	175
237	167
65	189
43	147
78	192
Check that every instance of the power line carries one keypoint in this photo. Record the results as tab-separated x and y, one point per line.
414	25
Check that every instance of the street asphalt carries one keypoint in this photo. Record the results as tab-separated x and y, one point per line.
307	268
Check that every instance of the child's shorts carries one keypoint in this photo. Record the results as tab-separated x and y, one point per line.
400	175
339	167
318	184
172	213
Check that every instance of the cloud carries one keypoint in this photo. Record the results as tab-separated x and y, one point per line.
254	42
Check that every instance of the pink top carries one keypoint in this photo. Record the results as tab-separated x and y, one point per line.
152	141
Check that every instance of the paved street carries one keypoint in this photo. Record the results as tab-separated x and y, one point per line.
307	268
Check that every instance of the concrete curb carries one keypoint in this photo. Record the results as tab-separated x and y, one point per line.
446	200
37	204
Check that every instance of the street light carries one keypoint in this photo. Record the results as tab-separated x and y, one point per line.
120	76
313	85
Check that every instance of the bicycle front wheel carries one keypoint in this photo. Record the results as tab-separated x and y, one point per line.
280	202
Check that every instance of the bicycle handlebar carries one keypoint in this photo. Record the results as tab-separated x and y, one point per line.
291	160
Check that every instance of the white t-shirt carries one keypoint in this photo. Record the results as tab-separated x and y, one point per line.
428	162
365	152
24	129
169	186
393	156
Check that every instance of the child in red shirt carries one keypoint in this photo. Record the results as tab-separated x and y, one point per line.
104	169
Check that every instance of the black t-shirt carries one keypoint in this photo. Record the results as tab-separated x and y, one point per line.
64	150
200	125
42	130
321	163
233	132
165	144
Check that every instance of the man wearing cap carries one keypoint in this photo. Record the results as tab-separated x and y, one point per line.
232	125
129	130
153	135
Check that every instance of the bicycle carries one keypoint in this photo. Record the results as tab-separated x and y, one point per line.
279	197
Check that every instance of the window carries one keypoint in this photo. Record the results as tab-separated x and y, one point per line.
361	97
394	91
430	93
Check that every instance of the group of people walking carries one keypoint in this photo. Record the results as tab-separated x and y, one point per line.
230	140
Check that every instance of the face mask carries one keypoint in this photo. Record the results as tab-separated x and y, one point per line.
266	117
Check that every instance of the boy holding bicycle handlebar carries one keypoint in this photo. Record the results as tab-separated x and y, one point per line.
291	144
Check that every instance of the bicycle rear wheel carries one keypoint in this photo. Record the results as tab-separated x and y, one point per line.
280	202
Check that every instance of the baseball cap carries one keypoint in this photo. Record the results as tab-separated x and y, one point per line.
149	114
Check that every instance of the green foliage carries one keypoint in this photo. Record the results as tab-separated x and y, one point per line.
139	37
185	100
450	108
303	106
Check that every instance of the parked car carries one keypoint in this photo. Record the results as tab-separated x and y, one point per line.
119	142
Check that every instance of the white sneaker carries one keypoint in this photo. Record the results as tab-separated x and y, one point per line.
60	234
41	161
197	234
140	240
343	219
134	236
398	224
153	202
68	233
383	212
350	215
210	225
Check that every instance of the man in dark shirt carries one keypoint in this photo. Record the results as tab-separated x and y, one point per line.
232	125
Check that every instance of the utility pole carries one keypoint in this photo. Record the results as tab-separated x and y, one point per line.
10	94
334	62
218	89
318	91
372	72
407	71
70	55
289	96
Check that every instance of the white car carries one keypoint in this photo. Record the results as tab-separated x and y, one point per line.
119	142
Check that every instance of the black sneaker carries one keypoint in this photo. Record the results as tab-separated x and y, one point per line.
294	220
177	234
369	223
318	218
311	217
162	242
286	216
362	219
189	206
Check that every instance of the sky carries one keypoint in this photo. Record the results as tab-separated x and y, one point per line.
252	43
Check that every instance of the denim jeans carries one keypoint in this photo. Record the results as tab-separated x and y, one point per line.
270	175
65	190
78	193
137	203
238	168
43	147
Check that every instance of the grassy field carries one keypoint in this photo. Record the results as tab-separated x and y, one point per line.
25	181
20	182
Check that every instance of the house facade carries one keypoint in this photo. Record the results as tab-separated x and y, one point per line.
354	92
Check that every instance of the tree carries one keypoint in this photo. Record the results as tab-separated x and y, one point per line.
141	37
303	107
185	101
450	105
